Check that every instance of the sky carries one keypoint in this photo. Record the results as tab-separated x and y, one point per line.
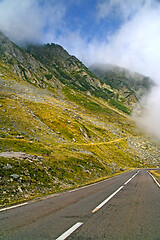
121	32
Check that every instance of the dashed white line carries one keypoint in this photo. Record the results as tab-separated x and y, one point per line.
131	178
112	195
15	206
92	184
106	200
128	181
69	231
154	179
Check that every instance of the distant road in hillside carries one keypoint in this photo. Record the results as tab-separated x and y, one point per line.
124	207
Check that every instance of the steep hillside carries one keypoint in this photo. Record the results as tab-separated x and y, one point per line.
50	66
127	86
23	64
74	74
55	135
68	69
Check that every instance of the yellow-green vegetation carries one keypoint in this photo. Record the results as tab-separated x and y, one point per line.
71	139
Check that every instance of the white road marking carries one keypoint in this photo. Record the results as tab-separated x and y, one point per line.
106	200
70	231
113	194
154	179
128	181
15	206
55	195
131	178
92	184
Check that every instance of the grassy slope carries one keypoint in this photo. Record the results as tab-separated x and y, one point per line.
80	137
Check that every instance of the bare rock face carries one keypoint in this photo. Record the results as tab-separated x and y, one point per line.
18	155
47	64
127	86
22	63
65	67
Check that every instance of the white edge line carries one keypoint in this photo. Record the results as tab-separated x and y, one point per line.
92	184
106	200
54	195
15	206
69	231
154	179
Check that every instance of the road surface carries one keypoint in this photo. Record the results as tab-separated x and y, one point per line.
124	207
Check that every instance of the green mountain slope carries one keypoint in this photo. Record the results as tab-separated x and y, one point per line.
127	86
56	135
68	69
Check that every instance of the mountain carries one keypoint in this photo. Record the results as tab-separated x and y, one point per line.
128	87
68	69
51	66
58	128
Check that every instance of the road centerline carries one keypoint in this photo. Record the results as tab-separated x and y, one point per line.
70	231
130	178
106	200
128	181
113	194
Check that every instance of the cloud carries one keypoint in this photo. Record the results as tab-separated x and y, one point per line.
148	118
136	46
123	9
26	21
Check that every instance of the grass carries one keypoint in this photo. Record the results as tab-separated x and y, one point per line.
48	76
18	145
120	106
82	100
63	168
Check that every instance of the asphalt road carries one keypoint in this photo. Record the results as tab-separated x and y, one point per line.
124	207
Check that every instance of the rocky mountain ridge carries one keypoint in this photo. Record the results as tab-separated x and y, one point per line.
128	87
50	66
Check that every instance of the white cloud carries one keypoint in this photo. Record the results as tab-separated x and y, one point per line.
124	9
149	119
136	44
24	21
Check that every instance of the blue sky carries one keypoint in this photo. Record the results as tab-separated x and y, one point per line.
83	16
